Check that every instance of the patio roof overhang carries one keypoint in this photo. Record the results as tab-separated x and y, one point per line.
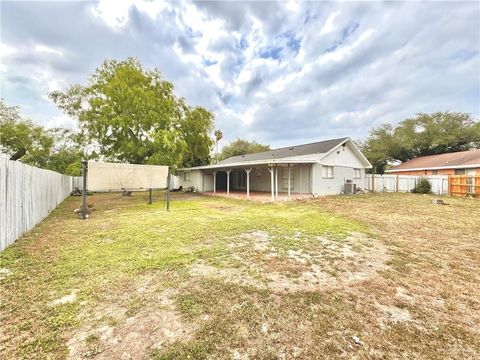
249	164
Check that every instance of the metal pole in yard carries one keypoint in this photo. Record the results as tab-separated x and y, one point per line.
168	190
84	189
150	196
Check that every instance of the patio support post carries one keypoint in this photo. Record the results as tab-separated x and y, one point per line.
214	182
288	166
228	181
272	186
276	182
301	181
247	170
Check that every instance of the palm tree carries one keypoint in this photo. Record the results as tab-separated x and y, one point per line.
218	137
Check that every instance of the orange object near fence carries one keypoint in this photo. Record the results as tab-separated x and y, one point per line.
463	185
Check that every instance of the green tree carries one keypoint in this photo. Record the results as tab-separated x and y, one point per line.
425	134
196	128
55	149
242	147
218	136
132	115
21	139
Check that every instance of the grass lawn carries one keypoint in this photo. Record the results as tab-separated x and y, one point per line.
366	276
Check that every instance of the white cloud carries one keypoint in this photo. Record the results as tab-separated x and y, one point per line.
6	50
329	25
45	49
275	72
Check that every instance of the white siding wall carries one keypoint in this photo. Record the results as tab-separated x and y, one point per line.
195	180
322	186
207	182
27	195
344	156
344	160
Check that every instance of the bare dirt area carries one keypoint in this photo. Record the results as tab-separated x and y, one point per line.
129	329
308	264
358	277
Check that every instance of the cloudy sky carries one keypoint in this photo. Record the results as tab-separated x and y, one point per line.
281	73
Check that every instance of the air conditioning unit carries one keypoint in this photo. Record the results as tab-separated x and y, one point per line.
349	187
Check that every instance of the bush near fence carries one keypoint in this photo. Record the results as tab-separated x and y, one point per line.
404	183
27	195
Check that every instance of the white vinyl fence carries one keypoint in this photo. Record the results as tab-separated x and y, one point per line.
77	182
404	183
27	195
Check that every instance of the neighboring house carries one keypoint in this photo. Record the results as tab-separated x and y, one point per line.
320	168
457	163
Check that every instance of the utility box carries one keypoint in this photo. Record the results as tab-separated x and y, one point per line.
350	187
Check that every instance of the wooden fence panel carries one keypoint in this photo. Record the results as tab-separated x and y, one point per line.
463	185
27	195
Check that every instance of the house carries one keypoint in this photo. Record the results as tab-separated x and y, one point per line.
319	168
457	163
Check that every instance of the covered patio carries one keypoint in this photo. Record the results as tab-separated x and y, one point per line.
260	179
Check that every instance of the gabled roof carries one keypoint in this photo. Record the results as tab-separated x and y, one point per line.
461	159
320	147
299	154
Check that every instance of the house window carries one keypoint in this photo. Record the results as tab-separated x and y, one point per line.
434	172
327	172
459	171
357	173
186	176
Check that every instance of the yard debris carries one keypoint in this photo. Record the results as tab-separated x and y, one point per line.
126	193
76	192
66	299
439	202
356	340
90	205
394	314
4	272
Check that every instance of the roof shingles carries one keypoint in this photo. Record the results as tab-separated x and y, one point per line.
461	158
320	147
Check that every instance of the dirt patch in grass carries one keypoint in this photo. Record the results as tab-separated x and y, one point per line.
314	263
146	319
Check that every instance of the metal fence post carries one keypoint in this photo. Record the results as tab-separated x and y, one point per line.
84	190
168	190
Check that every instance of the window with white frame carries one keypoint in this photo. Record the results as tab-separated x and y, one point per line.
186	176
327	172
357	173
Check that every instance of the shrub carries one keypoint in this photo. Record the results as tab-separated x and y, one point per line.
422	187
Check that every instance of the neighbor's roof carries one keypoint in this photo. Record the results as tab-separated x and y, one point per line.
461	159
320	147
